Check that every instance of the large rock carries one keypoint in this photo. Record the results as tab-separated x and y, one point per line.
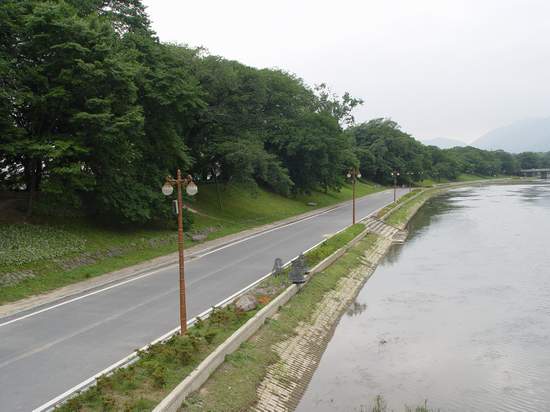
199	237
246	303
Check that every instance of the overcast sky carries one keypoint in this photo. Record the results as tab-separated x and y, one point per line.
440	68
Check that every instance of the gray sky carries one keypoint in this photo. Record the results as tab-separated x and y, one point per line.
440	68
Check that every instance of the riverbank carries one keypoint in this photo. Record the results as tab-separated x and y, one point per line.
467	293
271	371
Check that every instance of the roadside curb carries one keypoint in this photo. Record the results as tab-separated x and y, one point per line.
172	402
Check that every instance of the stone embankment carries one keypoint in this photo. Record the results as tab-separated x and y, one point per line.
287	379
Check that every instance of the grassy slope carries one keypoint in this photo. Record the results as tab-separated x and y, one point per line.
59	252
461	178
402	215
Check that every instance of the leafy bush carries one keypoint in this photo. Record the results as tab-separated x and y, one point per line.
26	243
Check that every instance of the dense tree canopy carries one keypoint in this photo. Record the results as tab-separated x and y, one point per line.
95	111
382	147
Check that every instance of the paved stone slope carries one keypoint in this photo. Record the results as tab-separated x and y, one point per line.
288	378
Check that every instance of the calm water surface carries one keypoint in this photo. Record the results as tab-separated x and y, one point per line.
459	315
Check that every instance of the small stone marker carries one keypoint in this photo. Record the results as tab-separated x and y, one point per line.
246	303
277	267
297	272
198	237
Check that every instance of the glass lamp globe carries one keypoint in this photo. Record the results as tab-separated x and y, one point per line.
167	189
348	175
359	175
191	189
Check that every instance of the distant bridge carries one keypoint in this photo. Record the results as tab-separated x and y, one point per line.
542	173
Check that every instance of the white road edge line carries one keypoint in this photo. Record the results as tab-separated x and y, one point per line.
134	355
28	315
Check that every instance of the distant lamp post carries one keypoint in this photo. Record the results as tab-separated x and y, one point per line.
353	174
411	178
395	175
167	189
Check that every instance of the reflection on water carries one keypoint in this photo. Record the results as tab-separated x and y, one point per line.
458	315
356	308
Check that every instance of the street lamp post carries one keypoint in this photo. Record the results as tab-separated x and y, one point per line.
411	174
167	189
353	174
395	174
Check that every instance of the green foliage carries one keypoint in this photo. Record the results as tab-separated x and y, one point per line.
160	368
24	243
382	147
95	112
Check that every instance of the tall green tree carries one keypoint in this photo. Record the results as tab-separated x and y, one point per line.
75	105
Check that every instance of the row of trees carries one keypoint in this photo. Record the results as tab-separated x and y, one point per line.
381	147
95	111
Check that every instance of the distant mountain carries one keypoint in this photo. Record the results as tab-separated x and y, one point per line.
530	135
444	143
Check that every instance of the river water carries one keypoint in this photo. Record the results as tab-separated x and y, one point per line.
459	315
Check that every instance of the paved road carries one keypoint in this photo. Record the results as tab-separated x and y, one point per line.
45	353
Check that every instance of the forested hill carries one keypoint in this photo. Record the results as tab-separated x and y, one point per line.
95	112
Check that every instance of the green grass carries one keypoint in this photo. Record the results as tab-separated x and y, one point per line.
399	201
233	386
58	253
48	254
461	178
400	216
249	208
142	385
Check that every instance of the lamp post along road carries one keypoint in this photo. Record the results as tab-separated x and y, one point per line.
395	174
353	174
167	189
410	180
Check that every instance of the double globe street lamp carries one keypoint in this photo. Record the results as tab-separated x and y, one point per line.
191	189
353	174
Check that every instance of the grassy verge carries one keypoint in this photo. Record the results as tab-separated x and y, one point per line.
233	386
400	216
142	385
464	177
50	253
399	202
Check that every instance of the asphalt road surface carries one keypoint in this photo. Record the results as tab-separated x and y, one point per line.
43	354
